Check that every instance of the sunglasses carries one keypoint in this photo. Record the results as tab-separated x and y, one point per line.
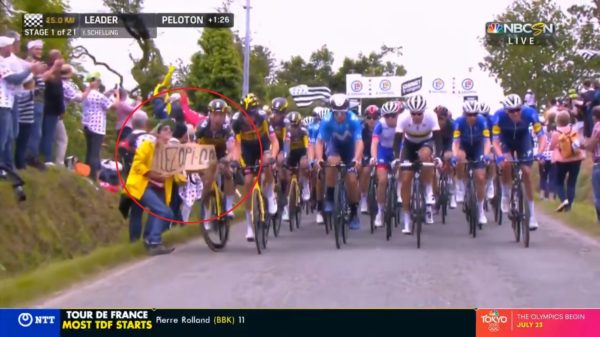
512	111
471	114
369	118
416	113
389	116
339	112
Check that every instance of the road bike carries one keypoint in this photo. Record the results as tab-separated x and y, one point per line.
470	207
497	200
294	199
340	217
417	197
372	197
391	215
519	211
444	194
216	233
261	219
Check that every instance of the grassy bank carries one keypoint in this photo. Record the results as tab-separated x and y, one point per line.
583	214
66	231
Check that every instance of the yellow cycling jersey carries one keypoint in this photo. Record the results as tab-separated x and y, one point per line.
298	138
244	131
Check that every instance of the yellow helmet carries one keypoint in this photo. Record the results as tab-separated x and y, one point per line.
250	101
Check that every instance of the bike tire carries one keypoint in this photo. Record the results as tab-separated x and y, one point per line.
337	216
419	209
389	210
525	211
257	220
444	197
498	201
515	216
345	221
372	201
473	210
292	203
221	225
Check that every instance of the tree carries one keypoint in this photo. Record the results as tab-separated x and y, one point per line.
585	27
149	68
216	67
548	71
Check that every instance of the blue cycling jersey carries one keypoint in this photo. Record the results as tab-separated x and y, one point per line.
385	134
313	132
471	135
510	132
347	132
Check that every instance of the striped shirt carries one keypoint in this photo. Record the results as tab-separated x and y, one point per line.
7	95
94	112
71	92
25	105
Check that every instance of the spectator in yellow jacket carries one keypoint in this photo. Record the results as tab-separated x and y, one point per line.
153	189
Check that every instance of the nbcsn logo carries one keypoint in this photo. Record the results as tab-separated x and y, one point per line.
519	33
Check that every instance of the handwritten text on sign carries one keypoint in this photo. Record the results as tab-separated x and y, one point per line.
177	158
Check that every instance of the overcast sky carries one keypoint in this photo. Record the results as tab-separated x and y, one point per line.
439	37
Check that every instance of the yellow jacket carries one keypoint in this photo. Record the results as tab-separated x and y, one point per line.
137	181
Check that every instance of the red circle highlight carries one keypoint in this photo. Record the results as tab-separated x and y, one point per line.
240	202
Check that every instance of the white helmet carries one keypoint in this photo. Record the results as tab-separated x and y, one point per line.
339	102
470	107
484	108
324	112
391	107
416	103
512	101
306	121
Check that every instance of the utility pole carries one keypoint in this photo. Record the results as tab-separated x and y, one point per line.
246	81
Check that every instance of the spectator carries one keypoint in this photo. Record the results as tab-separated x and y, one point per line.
593	145
587	95
34	54
547	168
71	94
9	80
596	97
25	107
153	189
124	109
530	99
191	191
54	105
179	136
95	106
567	166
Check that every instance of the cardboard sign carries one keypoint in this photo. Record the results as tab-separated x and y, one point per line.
178	158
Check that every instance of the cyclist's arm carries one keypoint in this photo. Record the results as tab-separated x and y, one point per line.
274	144
286	144
358	151
319	149
374	143
496	139
456	141
398	144
487	147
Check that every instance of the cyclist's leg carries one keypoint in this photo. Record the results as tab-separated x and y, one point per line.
460	176
250	156
525	153
506	176
409	153
490	176
304	177
382	181
426	156
364	177
268	185
228	189
476	154
330	177
447	168
352	188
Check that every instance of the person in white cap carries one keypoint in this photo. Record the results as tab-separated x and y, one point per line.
9	82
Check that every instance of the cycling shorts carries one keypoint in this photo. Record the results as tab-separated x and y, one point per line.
251	153
474	153
446	147
522	147
295	156
410	150
385	157
344	150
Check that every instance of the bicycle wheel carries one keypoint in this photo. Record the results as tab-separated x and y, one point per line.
443	197
515	216
525	211
257	220
418	207
216	237
389	211
292	202
372	201
276	219
473	210
345	215
498	200
338	214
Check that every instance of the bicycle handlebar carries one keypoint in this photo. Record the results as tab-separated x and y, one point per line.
416	163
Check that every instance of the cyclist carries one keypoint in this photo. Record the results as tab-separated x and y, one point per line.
295	148
484	110
443	143
471	142
371	118
279	122
216	130
511	134
313	133
417	130
247	144
341	131
382	151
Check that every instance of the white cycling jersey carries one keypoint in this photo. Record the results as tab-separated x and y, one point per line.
418	133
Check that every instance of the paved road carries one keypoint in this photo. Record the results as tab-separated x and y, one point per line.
304	270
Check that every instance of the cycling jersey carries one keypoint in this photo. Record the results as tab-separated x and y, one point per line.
313	132
279	127
516	137
472	137
247	135
367	135
444	142
418	133
219	138
385	134
340	137
298	143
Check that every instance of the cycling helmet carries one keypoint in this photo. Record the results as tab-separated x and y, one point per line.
470	107
249	101
391	107
512	101
279	104
217	105
484	108
316	112
295	118
416	103
324	112
372	110
339	102
308	120
441	110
